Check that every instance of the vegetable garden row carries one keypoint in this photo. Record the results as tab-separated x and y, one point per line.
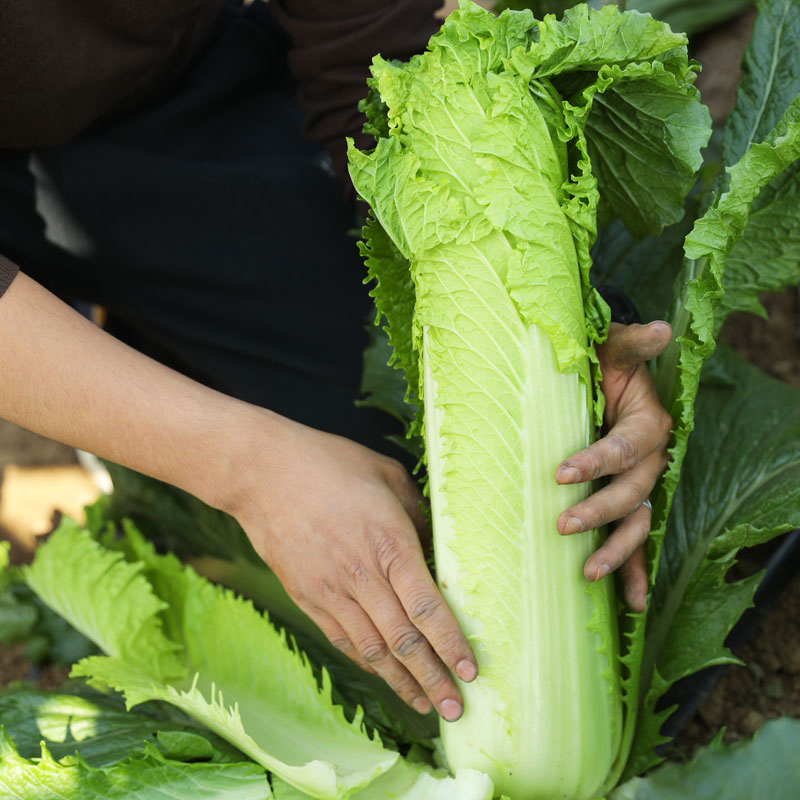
517	163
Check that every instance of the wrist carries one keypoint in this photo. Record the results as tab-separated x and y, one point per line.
242	441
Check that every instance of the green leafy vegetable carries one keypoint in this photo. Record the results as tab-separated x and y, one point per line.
483	185
96	726
215	544
208	653
144	775
690	16
767	766
406	781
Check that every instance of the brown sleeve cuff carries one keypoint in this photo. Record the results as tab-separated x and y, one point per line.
333	46
8	271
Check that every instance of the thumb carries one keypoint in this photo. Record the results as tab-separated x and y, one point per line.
630	345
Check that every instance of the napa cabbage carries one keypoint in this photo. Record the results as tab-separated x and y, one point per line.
484	204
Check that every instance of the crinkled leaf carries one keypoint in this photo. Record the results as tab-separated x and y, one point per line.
645	135
766	767
219	549
143	775
248	686
767	257
394	390
690	16
76	577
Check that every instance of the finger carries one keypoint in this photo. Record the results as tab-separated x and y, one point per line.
634	579
634	438
629	345
428	611
410	647
620	498
620	545
375	652
336	635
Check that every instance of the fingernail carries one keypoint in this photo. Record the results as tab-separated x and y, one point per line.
572	525
569	475
466	670
602	571
450	710
422	705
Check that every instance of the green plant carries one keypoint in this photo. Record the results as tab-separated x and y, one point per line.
730	493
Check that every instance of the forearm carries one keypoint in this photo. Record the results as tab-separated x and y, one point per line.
65	378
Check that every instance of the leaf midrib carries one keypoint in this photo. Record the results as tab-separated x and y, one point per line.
691	563
773	68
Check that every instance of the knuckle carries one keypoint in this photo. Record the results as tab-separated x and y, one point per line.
356	572
387	551
342	643
436	680
451	647
407	643
422	608
374	651
624	452
665	425
327	590
396	470
635	496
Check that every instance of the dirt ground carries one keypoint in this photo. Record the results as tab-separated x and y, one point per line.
767	687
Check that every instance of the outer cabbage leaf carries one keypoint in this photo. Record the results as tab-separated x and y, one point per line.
770	78
243	681
215	544
767	257
690	16
767	766
98	728
144	775
645	135
129	628
740	487
406	781
677	376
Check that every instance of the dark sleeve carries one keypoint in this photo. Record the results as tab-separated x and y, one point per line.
333	45
8	271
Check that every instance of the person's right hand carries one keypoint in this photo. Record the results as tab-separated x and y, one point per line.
340	526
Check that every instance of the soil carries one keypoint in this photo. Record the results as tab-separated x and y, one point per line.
767	687
15	667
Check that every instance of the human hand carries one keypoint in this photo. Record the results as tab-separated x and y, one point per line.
634	452
339	524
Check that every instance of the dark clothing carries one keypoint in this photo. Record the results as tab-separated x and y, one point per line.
67	63
212	231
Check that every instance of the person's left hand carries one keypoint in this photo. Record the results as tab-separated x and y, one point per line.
633	452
